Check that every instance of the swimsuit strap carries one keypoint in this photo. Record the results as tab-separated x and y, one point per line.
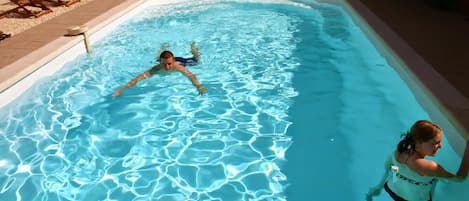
418	183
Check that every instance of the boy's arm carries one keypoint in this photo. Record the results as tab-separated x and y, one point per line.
191	77
134	81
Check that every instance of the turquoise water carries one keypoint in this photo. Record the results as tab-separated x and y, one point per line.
299	106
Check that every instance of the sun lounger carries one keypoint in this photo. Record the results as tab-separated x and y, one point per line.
24	8
64	3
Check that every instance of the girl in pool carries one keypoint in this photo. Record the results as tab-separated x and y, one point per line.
408	175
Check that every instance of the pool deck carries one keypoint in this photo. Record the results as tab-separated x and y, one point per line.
21	54
440	37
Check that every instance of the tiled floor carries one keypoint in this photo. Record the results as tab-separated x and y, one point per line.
440	37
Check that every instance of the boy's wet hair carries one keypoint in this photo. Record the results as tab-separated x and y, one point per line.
166	55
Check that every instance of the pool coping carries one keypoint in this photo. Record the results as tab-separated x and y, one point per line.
437	91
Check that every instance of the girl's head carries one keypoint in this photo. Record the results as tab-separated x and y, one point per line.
424	137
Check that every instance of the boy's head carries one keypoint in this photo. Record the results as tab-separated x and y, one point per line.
167	59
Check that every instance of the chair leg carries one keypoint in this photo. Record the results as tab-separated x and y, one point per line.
2	15
64	3
38	4
25	12
68	3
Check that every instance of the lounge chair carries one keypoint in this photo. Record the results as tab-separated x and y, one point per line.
64	3
23	8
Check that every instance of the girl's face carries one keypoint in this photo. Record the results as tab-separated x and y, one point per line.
430	147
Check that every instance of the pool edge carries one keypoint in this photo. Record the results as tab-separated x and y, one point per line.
436	95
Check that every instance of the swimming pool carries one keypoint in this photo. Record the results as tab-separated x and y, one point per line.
297	97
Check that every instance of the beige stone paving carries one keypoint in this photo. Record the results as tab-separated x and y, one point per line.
14	23
47	28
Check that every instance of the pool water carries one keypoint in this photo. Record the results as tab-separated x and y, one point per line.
299	106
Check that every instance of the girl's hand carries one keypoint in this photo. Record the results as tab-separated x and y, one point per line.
373	192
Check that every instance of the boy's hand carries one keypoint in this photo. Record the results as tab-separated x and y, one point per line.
201	89
117	93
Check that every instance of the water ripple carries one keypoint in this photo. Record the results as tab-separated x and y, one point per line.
160	139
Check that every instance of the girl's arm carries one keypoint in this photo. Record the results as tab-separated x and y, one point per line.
432	168
376	190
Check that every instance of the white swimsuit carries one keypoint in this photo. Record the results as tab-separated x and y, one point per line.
408	184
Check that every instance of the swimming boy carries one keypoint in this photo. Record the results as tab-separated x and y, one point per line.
168	62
